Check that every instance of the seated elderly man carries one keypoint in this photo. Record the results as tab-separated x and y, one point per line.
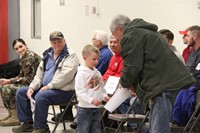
52	84
115	69
100	40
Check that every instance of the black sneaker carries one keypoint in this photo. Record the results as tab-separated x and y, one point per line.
24	127
67	116
73	125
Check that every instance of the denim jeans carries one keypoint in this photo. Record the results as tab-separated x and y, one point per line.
123	108
89	120
42	101
160	112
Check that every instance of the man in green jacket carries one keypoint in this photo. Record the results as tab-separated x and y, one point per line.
151	69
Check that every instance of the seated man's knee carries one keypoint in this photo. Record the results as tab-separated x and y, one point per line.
39	97
22	91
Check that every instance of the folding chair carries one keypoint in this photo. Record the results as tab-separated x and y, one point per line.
10	69
193	125
73	101
122	118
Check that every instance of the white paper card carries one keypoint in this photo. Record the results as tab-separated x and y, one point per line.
117	99
111	84
32	101
198	67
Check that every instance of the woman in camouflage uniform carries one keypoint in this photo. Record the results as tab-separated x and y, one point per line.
29	63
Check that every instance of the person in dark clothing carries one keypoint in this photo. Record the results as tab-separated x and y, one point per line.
186	99
169	37
151	69
188	49
100	40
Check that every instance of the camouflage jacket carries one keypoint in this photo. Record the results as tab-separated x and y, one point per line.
29	63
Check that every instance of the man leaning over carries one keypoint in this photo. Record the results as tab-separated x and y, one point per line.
150	68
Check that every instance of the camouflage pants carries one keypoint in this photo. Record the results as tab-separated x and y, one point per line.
8	93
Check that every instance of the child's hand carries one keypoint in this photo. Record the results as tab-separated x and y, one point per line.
107	98
96	102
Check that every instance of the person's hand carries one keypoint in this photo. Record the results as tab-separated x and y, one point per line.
4	81
96	102
132	88
44	88
107	98
133	94
29	93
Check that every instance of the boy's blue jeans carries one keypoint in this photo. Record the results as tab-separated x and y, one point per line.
43	99
89	120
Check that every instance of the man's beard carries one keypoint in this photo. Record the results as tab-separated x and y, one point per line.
191	44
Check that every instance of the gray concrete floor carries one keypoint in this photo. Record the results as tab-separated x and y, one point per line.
3	113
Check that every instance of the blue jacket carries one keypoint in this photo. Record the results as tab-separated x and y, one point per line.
184	106
104	59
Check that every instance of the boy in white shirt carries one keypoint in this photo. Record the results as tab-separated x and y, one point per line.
90	93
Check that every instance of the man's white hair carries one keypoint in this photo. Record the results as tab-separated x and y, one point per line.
101	36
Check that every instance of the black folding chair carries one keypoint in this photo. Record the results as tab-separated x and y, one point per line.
10	69
193	125
122	118
72	102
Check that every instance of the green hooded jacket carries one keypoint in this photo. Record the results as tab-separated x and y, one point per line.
149	63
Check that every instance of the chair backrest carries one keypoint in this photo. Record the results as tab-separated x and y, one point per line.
128	116
73	101
131	107
10	69
193	123
197	98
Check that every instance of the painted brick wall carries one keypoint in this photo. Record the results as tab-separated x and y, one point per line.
3	31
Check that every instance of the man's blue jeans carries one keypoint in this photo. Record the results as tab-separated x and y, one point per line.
42	101
160	112
123	108
89	120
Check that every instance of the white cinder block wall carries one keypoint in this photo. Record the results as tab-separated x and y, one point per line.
78	28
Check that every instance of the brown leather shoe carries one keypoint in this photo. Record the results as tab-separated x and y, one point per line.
24	127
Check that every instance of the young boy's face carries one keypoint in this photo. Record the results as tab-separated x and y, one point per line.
91	60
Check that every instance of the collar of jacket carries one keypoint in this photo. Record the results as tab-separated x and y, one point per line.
64	52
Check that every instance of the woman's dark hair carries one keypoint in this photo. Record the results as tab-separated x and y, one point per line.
18	40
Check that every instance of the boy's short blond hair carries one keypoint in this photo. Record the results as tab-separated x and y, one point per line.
90	48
